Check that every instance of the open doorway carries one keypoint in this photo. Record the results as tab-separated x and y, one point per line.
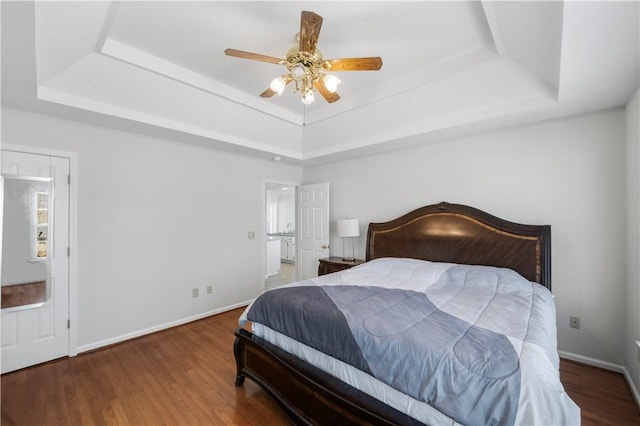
280	214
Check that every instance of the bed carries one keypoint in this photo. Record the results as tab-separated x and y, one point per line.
449	252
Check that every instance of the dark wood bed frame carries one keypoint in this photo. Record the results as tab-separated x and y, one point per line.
441	232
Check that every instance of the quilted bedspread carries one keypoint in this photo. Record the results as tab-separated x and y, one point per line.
477	343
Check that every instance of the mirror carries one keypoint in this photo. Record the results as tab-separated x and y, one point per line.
26	231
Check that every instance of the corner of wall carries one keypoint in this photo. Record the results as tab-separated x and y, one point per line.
632	358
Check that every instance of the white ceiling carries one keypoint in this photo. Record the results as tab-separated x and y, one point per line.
449	68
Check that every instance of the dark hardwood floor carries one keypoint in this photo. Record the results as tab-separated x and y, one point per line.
603	396
185	376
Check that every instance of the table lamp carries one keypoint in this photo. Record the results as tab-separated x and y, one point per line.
347	229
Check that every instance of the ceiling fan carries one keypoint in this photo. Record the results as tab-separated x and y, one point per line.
307	68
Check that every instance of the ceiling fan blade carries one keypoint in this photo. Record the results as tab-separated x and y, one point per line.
354	64
310	24
322	89
270	92
254	56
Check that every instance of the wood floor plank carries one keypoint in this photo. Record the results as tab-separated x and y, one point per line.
603	396
185	376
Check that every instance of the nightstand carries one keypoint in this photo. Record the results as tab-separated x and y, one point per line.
336	264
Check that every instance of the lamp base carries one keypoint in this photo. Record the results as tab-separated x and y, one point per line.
348	256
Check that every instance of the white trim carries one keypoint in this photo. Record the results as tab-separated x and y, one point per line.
21	307
147	61
139	333
494	27
591	361
607	366
38	150
73	231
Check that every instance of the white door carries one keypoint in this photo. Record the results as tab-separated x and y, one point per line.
35	333
313	228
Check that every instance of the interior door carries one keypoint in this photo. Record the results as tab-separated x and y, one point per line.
36	332
313	228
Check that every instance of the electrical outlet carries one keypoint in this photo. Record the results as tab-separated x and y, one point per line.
209	289
574	322
195	292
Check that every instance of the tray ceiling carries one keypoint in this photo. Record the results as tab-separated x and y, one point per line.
450	68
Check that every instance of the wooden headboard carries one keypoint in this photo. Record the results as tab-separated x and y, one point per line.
461	234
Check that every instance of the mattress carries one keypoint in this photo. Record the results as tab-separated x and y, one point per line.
475	300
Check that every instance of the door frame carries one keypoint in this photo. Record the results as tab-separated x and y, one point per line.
73	231
263	233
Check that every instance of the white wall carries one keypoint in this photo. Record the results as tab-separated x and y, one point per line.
633	240
156	219
568	173
287	213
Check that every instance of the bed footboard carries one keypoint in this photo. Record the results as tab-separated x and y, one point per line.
306	394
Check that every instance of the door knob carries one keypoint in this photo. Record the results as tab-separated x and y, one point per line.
324	246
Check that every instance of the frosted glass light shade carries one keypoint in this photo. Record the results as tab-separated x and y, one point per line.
331	82
298	72
307	97
277	85
348	228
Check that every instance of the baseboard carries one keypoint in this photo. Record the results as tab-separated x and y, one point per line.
607	366
133	335
591	361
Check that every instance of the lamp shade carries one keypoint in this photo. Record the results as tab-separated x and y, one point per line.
348	228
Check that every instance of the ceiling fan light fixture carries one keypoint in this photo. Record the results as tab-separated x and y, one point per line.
277	85
298	72
307	68
331	82
308	97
